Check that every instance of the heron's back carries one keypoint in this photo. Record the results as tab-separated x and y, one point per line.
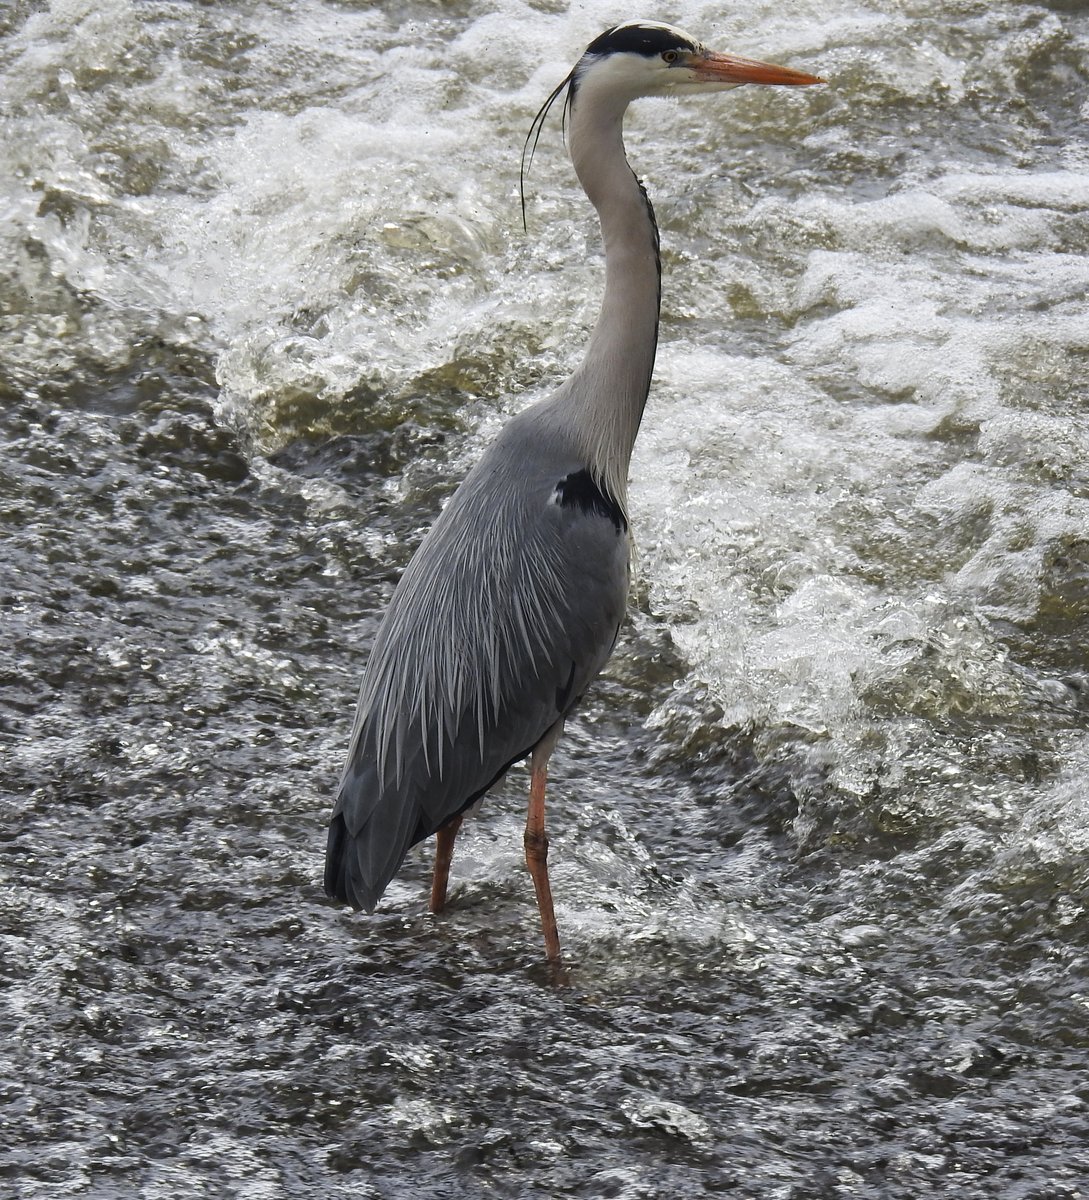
506	612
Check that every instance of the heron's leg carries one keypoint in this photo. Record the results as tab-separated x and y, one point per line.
536	841
444	852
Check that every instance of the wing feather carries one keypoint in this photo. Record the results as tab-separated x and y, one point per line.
511	602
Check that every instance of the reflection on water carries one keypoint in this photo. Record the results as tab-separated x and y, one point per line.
819	835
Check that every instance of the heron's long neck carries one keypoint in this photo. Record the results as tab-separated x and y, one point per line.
609	388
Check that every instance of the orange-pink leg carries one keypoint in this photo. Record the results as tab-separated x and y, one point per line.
536	841
444	853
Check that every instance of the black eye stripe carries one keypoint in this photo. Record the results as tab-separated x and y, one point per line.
648	40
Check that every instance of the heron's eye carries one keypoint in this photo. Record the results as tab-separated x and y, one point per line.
670	56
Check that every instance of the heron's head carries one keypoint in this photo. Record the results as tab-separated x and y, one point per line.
642	58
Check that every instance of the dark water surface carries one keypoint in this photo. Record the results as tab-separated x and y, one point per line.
820	837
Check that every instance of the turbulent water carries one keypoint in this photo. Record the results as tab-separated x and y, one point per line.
820	834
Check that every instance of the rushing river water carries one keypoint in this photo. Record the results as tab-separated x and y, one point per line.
820	834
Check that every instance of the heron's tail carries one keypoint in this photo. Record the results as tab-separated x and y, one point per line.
369	836
344	879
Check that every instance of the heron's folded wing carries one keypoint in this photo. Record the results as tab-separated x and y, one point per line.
507	611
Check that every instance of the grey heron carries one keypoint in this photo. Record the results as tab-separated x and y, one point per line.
513	601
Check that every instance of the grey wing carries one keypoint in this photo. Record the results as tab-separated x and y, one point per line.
508	610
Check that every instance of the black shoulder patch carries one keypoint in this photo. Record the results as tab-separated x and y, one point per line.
578	490
649	40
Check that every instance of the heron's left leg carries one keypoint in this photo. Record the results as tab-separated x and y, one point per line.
536	841
444	853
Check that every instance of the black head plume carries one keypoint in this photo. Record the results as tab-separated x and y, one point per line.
534	135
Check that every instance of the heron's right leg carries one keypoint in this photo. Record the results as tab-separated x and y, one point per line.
537	848
444	853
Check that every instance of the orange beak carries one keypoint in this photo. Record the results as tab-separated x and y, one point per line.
728	68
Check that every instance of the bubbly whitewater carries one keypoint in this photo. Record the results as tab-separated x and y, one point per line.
819	836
